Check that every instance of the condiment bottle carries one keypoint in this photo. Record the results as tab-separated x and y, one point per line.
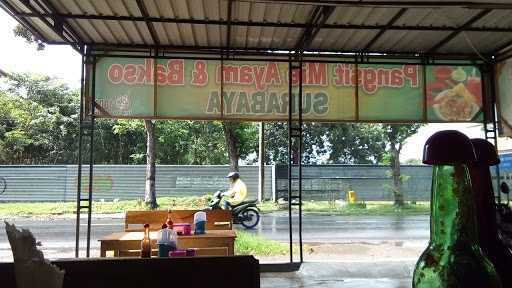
145	246
168	222
483	196
453	257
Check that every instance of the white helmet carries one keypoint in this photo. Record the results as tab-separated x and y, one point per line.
234	175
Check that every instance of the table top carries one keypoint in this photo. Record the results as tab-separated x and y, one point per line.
139	235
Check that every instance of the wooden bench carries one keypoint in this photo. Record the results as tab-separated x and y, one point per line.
128	243
216	219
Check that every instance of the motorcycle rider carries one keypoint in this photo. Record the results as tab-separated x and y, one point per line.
237	192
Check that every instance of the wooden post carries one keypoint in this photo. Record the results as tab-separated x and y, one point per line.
261	155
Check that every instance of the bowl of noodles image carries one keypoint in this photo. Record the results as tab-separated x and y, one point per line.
455	104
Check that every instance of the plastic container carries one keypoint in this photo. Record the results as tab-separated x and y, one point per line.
183	228
199	222
190	252
178	253
166	241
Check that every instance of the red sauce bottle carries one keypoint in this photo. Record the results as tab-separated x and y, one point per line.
145	245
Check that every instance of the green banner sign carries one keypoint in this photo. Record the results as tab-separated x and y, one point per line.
255	90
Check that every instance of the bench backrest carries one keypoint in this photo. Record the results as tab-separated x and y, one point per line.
216	219
235	271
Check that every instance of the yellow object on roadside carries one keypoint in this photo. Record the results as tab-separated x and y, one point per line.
351	197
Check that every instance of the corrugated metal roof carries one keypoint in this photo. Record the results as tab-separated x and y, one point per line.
477	27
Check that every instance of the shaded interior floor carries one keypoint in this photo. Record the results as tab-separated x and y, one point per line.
388	274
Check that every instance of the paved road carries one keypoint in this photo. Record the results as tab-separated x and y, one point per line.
343	229
58	235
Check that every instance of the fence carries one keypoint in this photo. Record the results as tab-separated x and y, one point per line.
371	182
58	183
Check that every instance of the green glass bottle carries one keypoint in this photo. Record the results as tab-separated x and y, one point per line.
453	257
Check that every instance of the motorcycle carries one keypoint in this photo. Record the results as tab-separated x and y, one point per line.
245	213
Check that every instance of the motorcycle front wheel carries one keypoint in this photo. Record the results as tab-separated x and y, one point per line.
250	217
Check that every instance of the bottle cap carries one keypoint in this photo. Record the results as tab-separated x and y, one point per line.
486	153
448	147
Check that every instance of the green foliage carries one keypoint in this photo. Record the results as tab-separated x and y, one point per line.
38	121
20	31
39	125
338	143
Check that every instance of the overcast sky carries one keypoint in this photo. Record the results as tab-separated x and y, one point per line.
63	62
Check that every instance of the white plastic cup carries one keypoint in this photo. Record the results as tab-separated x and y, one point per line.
199	222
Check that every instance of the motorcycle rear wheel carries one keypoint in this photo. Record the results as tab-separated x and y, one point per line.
250	217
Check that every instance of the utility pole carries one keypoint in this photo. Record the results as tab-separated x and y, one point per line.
261	155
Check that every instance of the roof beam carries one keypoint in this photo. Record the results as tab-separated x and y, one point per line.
56	27
315	23
12	11
59	19
452	35
278	52
263	24
383	30
498	52
149	24
228	28
394	4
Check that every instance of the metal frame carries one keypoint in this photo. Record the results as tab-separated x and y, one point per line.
323	9
387	26
295	121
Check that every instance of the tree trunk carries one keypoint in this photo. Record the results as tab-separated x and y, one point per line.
397	181
231	144
150	192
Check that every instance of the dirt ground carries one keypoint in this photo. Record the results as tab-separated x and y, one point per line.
357	252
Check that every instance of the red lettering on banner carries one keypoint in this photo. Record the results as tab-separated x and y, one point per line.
317	74
411	73
130	74
246	75
145	72
175	72
115	73
259	73
272	76
371	79
161	76
295	77
199	74
383	77
397	79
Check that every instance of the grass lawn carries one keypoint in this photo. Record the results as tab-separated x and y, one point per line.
107	207
252	244
362	208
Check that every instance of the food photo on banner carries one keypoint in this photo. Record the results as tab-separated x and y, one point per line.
504	97
258	91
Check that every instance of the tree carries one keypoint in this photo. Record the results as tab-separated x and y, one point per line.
150	191
396	135
20	31
39	120
353	143
241	140
334	143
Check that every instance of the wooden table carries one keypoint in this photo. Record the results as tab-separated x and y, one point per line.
125	241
